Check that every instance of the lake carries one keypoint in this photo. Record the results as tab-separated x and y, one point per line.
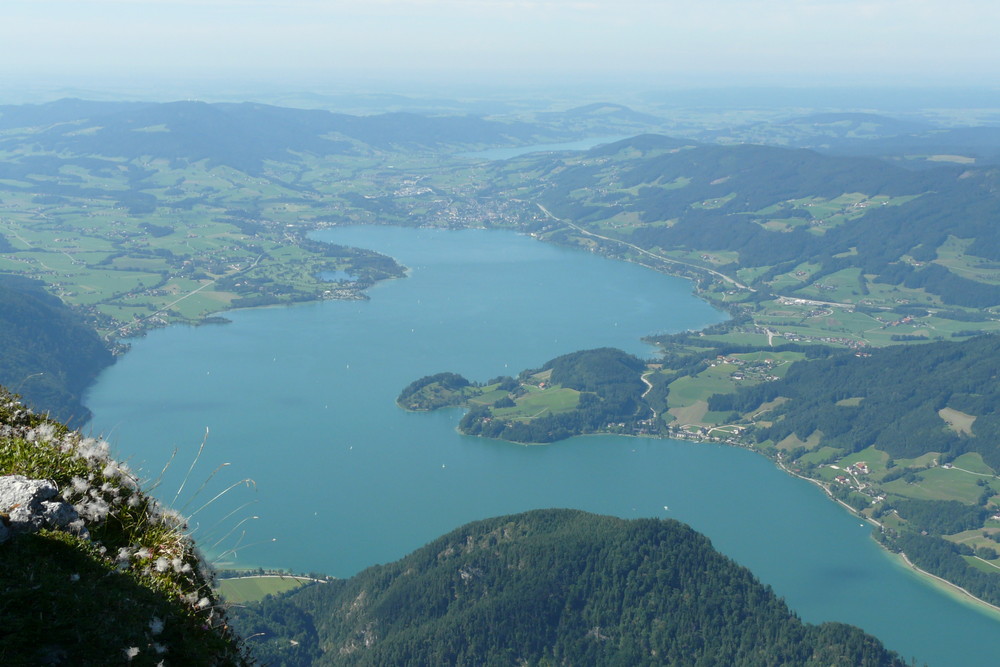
301	400
511	152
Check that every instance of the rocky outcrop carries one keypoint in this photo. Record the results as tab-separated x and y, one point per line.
28	505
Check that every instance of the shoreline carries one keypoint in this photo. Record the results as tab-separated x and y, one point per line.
931	579
948	587
928	577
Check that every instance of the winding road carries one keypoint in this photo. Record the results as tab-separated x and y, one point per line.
669	260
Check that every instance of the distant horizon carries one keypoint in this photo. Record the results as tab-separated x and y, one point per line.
563	95
477	44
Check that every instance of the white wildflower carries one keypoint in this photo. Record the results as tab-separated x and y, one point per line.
95	510
159	648
87	449
143	553
156	627
41	433
173	518
124	554
203	603
131	652
162	564
79	484
177	564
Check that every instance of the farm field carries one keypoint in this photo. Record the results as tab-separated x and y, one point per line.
239	590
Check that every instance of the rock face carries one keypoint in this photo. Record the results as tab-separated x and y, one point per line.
28	505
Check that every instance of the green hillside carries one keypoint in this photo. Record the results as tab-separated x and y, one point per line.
910	438
552	587
50	354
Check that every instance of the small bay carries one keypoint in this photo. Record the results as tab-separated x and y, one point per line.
301	400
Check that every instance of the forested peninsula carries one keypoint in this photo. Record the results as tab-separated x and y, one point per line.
583	392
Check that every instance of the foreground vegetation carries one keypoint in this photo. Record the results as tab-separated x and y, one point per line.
122	583
551	587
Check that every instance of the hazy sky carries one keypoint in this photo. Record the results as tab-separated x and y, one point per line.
667	41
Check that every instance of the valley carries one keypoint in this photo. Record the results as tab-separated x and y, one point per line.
823	261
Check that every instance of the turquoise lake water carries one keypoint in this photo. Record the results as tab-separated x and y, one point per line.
301	400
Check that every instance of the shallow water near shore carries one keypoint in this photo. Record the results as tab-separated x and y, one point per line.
301	400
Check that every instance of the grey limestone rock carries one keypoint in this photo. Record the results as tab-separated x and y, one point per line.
31	504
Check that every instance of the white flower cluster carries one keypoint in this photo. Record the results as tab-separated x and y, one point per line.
126	528
108	488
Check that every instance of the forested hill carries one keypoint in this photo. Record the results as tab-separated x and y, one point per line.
50	355
896	399
907	436
791	222
552	587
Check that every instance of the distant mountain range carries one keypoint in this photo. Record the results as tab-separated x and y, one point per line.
913	144
244	135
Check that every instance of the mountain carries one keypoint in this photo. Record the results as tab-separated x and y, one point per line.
909	440
15	116
961	145
50	354
897	400
551	587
